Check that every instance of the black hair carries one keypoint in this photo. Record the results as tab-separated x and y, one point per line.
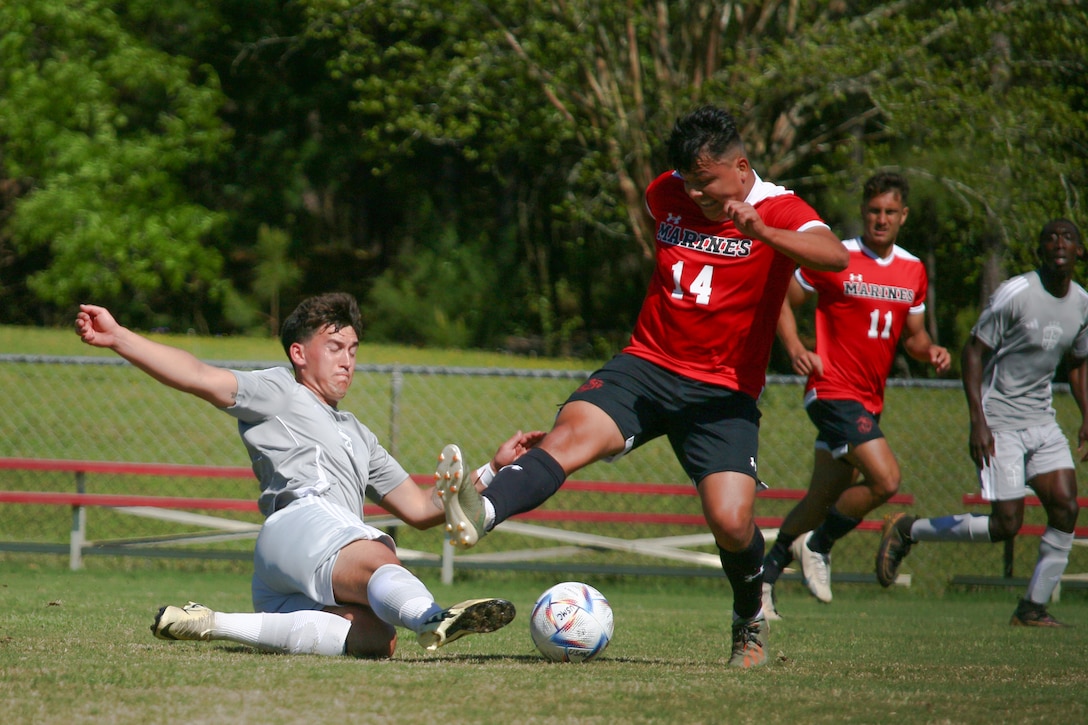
706	131
885	181
334	309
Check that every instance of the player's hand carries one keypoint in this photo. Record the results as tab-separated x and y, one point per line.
981	443
1082	442
96	326
808	363
746	218
514	447
939	358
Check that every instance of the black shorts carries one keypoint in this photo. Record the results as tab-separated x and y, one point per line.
842	425
711	429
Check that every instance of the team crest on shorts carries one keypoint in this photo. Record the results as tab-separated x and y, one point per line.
591	384
865	424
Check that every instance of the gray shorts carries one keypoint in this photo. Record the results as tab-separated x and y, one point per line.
1020	456
296	550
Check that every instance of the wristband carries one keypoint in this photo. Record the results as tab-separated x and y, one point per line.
485	474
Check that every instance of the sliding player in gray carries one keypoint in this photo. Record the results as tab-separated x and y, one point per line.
1032	322
324	582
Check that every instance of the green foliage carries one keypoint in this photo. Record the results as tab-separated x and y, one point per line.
98	128
145	143
431	296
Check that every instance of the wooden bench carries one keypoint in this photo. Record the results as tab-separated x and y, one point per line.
538	523
1008	578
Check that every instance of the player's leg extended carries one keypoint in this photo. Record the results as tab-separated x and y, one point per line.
878	481
583	433
1002	483
1058	492
728	501
302	632
365	574
829	478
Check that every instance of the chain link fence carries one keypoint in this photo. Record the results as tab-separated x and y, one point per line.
103	409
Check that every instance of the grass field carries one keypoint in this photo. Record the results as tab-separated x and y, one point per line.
75	648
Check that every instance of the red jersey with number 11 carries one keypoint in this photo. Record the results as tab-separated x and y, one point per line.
860	313
712	307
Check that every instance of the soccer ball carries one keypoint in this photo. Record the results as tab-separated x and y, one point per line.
571	622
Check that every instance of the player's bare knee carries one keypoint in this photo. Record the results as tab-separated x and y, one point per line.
371	640
1003	528
732	532
1062	514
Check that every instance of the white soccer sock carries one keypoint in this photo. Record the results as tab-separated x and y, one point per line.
304	632
1054	547
958	527
489	514
398	597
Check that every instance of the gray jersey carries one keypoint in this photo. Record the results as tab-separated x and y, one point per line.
300	446
1030	332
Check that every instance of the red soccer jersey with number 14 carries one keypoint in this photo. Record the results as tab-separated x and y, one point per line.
712	307
859	317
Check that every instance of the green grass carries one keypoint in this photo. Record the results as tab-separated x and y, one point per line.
75	647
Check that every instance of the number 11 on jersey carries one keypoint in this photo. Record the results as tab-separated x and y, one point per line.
874	325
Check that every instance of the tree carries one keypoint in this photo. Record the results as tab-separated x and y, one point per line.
98	130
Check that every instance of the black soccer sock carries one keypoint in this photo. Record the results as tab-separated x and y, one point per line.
525	484
778	558
745	572
834	527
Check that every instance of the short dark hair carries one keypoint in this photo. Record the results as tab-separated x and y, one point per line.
706	131
885	181
334	309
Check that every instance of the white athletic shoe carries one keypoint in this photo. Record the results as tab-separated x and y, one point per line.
815	568
770	610
191	622
473	616
463	505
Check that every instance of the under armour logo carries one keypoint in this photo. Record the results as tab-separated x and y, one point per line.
754	576
673	218
752	462
855	278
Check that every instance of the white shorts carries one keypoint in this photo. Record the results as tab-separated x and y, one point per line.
1020	456
296	550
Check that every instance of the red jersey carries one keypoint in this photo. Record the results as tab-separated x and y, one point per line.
711	311
860	315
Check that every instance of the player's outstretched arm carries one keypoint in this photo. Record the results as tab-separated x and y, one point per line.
169	365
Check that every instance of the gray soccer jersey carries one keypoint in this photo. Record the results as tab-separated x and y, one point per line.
300	446
1029	331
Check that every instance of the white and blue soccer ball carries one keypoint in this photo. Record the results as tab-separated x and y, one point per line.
571	622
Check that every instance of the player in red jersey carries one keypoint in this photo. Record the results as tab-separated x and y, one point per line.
727	243
862	313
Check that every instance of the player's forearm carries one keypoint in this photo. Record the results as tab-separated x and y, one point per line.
787	332
918	346
1078	386
172	366
816	248
972	382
